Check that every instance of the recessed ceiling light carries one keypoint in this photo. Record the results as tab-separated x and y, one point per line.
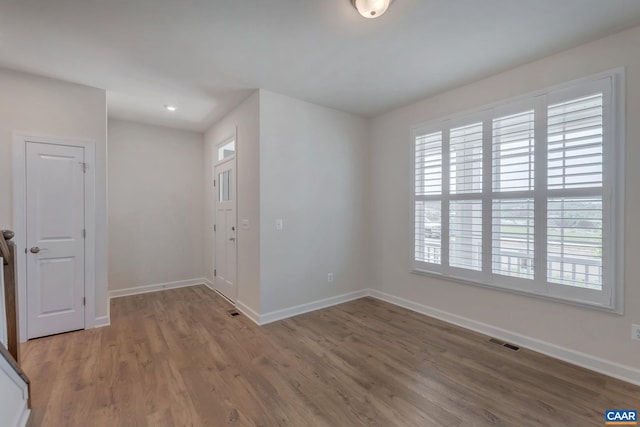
371	8
170	107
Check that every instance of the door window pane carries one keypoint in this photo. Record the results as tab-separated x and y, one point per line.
227	150
224	186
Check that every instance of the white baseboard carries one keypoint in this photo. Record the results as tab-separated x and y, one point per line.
249	312
274	316
117	293
24	417
102	321
612	369
208	283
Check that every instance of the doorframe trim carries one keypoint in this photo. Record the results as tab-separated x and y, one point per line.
20	140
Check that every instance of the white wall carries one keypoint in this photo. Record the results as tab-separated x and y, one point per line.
244	118
42	106
155	205
584	330
313	169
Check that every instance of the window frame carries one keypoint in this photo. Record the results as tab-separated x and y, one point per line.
610	298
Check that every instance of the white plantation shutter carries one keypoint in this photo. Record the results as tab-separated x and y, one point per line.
574	242
428	164
513	169
526	195
465	235
513	152
465	146
428	183
428	231
513	237
575	137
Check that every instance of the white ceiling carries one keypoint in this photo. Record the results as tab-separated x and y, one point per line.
206	56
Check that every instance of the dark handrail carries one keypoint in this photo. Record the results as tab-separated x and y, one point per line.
12	353
8	252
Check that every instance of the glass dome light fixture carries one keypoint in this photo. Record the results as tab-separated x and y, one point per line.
371	8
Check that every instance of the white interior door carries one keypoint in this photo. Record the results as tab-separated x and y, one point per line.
55	238
225	229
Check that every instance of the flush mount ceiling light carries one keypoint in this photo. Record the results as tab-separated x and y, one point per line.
371	8
169	107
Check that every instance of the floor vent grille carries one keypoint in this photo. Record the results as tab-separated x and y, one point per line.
233	313
511	347
504	344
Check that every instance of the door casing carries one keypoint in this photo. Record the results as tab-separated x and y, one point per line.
20	140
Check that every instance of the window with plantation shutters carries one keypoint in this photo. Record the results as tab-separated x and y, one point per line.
526	195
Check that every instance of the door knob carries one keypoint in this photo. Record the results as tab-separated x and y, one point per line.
35	250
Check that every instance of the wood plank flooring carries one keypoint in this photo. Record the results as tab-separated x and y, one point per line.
175	358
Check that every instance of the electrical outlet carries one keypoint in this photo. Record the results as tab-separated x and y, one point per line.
330	277
635	332
279	224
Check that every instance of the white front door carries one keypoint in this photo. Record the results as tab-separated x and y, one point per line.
55	238
225	229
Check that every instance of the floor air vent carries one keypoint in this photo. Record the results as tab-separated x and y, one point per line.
233	313
504	344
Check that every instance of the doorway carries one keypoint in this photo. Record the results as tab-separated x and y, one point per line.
225	227
54	211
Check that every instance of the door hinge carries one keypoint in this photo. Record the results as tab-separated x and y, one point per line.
214	227
215	272
84	300
84	233
214	182
84	167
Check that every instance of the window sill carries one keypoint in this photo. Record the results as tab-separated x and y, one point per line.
613	309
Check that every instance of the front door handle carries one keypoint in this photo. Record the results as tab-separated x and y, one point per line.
35	250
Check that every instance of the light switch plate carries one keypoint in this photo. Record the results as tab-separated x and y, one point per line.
244	224
279	224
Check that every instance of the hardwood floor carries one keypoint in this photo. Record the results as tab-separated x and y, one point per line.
176	358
